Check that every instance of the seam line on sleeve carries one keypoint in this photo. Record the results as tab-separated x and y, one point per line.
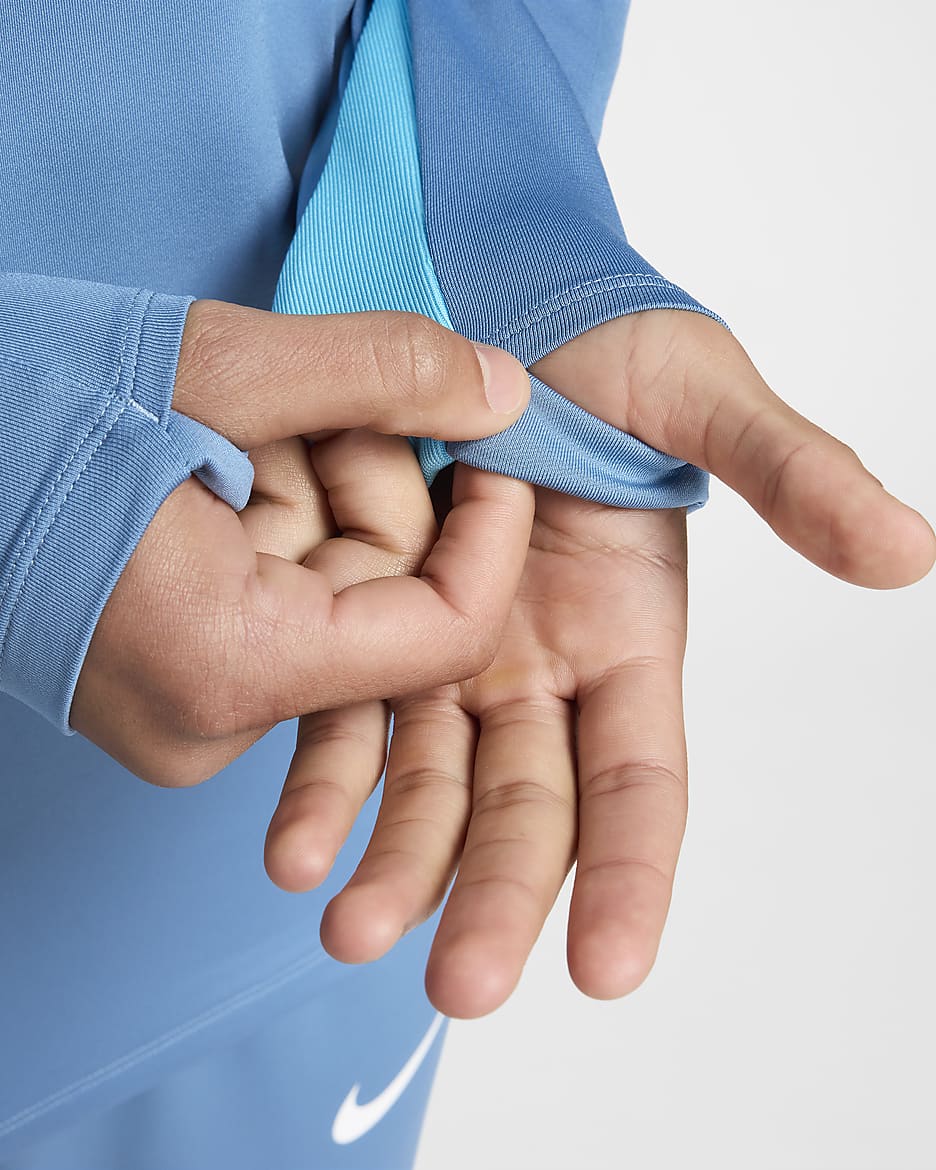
147	413
131	377
99	442
575	295
24	539
40	513
76	450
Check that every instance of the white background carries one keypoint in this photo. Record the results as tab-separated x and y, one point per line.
775	160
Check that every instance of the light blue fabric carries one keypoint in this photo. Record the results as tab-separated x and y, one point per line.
584	39
141	148
273	1097
92	448
362	244
525	240
151	149
145	147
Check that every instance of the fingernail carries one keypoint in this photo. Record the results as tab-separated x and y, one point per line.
504	389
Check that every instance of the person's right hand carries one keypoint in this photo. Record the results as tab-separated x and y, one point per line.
206	642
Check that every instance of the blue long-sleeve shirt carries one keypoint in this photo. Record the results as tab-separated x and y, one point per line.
147	157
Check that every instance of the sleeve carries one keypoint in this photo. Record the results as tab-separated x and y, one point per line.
90	449
463	181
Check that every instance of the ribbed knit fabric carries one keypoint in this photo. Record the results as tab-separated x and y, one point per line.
491	247
91	449
361	242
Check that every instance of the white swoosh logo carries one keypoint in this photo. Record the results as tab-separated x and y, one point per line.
353	1120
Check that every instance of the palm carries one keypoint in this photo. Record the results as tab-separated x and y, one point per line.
601	588
508	776
570	747
599	624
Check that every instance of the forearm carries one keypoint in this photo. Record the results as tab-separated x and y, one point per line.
91	449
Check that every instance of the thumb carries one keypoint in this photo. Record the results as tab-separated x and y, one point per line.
681	383
256	376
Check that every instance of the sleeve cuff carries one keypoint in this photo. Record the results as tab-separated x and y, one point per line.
559	445
86	526
582	307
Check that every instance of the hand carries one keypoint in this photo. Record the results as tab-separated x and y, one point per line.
571	742
581	748
205	643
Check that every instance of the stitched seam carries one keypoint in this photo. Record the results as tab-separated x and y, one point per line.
131	380
166	1040
142	409
24	539
575	295
76	452
61	504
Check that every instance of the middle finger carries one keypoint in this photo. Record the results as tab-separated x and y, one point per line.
519	848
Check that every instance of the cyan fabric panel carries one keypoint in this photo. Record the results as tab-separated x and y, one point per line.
361	244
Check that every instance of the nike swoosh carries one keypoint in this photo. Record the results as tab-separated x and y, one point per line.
353	1120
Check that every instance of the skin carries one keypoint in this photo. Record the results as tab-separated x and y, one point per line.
221	625
570	746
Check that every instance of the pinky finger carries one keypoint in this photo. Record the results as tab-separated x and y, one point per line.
339	758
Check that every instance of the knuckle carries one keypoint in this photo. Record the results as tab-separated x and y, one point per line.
478	645
846	451
776	481
414	539
469	646
420	359
176	768
523	794
207	353
628	775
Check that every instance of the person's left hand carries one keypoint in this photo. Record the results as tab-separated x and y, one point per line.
571	745
593	650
